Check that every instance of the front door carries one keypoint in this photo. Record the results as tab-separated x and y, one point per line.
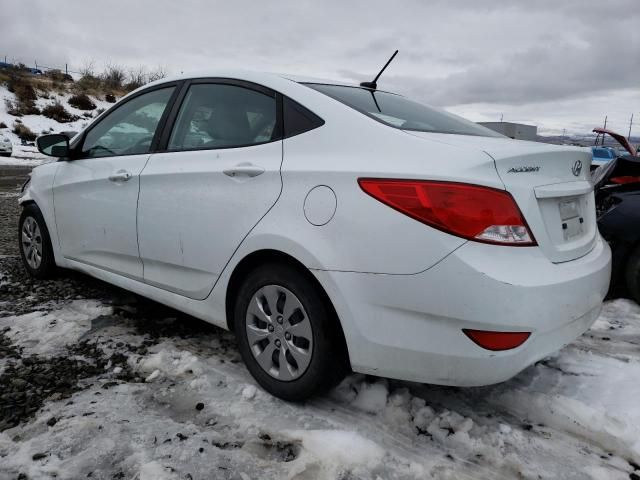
219	176
96	195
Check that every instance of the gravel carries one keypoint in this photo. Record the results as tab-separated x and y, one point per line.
27	381
11	179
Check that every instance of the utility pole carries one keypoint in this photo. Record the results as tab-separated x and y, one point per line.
501	117
630	123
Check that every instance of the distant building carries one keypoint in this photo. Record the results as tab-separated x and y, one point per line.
513	130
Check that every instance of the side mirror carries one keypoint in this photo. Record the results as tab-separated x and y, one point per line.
54	145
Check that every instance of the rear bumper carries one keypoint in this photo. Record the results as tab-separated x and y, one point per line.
410	326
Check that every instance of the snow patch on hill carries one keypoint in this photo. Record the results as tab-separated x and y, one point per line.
28	155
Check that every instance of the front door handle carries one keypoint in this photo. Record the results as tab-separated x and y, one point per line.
244	170
120	176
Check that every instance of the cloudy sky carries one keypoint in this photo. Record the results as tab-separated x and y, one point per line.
553	63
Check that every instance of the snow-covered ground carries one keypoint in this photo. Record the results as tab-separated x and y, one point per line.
39	124
188	409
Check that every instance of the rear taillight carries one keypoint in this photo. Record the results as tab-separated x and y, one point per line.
470	211
497	341
625	179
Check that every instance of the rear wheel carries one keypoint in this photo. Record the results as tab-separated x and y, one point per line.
287	334
632	275
35	244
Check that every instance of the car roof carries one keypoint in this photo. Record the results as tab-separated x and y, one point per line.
250	75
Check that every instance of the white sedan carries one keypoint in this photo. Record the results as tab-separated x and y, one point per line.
6	148
329	226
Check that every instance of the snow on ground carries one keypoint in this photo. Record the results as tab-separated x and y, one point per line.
43	332
28	155
196	413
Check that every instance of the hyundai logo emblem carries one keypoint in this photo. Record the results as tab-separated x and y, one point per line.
577	168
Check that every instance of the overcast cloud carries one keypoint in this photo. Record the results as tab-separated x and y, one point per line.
557	64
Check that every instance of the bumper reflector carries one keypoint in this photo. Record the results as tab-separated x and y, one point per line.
497	341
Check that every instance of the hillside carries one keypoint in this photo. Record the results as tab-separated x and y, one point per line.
33	105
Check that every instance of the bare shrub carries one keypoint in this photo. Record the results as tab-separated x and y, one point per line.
137	78
81	101
20	107
113	76
57	112
110	97
58	76
23	132
3	125
22	88
88	69
88	83
158	74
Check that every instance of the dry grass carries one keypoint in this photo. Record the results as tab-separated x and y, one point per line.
23	132
57	112
82	101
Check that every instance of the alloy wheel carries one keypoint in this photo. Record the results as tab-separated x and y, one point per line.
279	332
31	242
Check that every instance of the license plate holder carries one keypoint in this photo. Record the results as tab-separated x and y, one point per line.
571	218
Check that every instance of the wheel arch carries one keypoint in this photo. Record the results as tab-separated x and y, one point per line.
261	257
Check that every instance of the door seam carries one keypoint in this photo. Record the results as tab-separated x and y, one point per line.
138	213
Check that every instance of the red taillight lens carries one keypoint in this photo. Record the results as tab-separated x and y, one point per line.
470	211
497	341
626	179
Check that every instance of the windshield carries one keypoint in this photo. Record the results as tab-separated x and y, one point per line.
399	112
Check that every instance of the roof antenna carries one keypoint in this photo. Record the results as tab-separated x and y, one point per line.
374	85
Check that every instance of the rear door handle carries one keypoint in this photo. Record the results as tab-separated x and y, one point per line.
244	170
120	176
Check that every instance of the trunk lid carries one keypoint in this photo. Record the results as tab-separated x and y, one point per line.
551	185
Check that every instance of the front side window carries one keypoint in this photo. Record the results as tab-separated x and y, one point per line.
130	128
216	115
399	112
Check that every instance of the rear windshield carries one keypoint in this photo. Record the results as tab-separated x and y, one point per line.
603	153
399	112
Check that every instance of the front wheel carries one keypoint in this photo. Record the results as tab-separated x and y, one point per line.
287	333
35	243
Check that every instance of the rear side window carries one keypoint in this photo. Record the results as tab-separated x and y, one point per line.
400	112
298	119
219	115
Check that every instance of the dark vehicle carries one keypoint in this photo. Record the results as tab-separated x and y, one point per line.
617	190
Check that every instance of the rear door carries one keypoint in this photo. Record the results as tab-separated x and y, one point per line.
95	195
218	176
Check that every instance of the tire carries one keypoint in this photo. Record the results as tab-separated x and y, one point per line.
632	274
37	254
307	324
